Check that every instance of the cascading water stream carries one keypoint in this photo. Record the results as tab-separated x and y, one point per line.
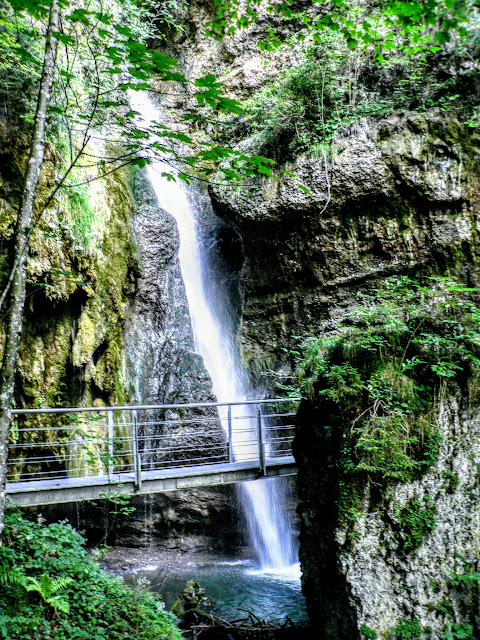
269	526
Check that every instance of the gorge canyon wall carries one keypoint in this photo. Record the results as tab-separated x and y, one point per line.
396	194
399	195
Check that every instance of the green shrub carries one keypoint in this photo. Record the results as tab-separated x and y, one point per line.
416	519
333	87
452	481
408	629
460	632
368	633
53	589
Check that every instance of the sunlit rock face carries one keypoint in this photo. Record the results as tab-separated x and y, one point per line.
163	366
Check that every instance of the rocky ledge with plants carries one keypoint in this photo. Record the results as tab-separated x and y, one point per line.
388	454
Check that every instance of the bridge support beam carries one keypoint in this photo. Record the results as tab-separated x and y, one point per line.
28	494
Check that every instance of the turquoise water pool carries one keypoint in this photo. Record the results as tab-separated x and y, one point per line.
236	587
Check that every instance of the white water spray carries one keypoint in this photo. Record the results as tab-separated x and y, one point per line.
269	525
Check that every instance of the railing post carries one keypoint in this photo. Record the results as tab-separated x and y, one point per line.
110	442
137	463
230	434
261	445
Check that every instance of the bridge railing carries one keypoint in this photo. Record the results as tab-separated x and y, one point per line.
55	444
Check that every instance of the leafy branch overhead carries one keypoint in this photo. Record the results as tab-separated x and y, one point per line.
102	57
385	25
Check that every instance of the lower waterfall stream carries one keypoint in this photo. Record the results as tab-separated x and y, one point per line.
263	501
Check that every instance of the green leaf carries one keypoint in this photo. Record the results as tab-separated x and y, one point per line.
67	75
79	15
63	38
209	81
305	189
25	55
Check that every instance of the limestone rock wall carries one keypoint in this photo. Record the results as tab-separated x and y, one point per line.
81	275
403	199
399	195
360	575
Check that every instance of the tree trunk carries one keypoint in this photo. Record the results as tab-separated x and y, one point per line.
24	222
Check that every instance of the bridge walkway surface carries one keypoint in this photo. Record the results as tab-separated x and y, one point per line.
67	455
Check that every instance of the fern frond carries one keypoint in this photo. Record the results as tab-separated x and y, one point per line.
12	575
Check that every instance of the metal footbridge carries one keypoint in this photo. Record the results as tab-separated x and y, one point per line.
67	455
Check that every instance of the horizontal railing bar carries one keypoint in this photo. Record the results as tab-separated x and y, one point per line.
82	430
141	407
173	423
166	464
175	450
285	426
186	434
83	433
49	445
64	427
40	474
178	464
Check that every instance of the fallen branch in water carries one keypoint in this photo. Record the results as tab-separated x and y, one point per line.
249	628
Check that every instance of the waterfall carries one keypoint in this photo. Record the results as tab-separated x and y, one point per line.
262	500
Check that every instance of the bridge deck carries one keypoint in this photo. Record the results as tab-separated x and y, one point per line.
43	492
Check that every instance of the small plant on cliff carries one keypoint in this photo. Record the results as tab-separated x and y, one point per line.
460	632
368	633
333	88
416	519
465	584
408	630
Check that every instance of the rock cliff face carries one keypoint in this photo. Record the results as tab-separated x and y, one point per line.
403	200
369	579
399	196
81	276
161	361
162	367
